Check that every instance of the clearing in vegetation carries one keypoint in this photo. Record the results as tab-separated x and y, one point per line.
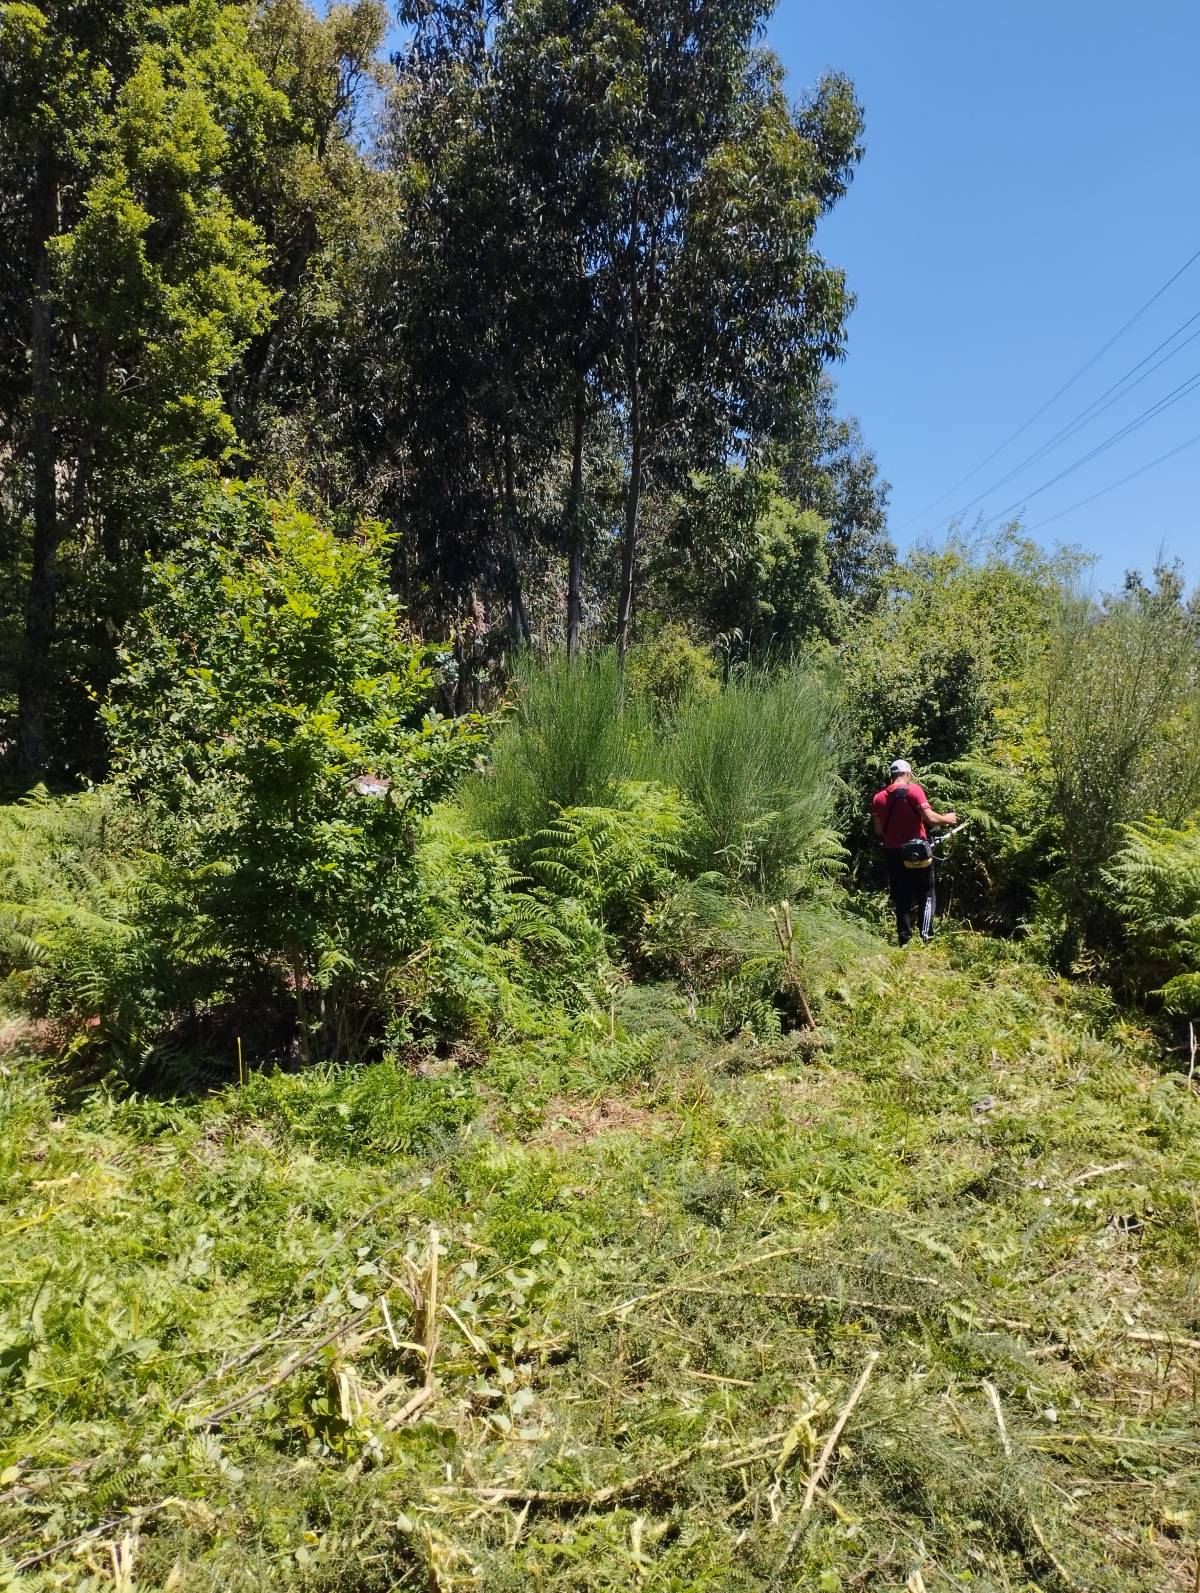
911	1303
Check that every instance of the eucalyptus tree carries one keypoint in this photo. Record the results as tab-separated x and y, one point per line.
824	465
718	313
611	218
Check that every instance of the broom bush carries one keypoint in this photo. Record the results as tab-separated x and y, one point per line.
756	764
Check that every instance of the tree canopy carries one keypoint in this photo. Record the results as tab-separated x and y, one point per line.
514	291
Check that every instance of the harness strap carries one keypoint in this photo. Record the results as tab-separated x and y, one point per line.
898	791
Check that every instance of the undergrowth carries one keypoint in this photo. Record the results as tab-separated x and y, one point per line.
585	1314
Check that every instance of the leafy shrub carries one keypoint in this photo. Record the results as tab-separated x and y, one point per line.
1123	724
1013	844
572	740
273	715
70	872
1155	880
671	669
756	765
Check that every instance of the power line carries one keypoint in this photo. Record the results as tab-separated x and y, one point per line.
1094	409
1173	397
1113	485
1053	399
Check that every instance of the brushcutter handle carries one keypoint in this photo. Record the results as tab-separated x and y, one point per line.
946	834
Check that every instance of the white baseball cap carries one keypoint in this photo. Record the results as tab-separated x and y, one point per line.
900	767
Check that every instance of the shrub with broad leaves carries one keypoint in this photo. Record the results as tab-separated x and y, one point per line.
276	719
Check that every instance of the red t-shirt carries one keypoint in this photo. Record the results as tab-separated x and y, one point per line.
900	816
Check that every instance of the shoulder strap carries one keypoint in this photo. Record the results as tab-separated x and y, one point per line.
899	791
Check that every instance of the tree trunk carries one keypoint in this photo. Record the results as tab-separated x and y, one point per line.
519	617
575	533
33	692
633	361
629	545
302	1030
260	364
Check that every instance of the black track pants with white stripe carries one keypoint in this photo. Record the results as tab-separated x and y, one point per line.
914	897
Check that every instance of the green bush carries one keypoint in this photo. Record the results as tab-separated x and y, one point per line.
573	738
1155	881
71	873
1123	724
273	717
756	764
670	670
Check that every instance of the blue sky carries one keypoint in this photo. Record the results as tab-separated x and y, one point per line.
1030	181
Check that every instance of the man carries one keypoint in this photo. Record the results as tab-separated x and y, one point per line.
899	814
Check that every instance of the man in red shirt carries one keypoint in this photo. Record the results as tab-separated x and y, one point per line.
899	814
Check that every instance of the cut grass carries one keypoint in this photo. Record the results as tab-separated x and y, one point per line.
594	1325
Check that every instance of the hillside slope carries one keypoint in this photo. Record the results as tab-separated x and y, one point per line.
527	1327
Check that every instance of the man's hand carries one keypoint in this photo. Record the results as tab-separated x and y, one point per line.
948	818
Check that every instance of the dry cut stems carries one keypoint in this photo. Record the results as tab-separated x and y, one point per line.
1061	1571
826	1455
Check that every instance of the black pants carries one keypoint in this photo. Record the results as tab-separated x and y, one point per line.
913	897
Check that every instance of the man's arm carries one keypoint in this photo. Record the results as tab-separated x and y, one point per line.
931	817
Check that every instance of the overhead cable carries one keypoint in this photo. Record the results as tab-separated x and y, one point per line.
1166	402
1113	485
1054	397
1094	409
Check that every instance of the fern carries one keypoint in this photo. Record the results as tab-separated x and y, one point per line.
1155	883
71	875
614	860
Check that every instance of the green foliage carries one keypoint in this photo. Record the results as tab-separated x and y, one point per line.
752	762
756	765
71	874
572	739
749	563
1155	881
581	181
615	860
273	715
949	671
496	961
949	662
178	314
1123	728
824	465
138	284
670	669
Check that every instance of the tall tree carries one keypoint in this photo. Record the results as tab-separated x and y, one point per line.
322	206
824	465
621	206
723	311
140	286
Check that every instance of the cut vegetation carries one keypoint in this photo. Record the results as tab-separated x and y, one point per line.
914	1307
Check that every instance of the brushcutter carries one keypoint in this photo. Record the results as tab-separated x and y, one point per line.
946	834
